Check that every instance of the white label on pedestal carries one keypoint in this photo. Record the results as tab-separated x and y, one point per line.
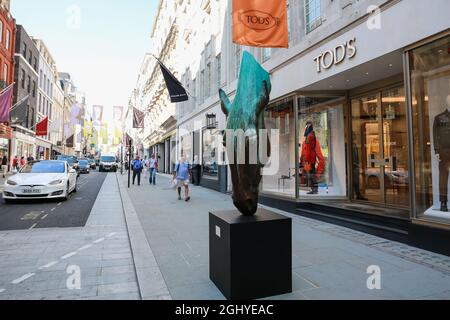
218	231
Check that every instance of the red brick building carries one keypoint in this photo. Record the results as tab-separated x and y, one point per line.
7	49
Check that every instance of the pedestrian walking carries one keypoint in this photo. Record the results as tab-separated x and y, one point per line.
4	165
137	167
15	164
183	173
145	163
153	168
22	162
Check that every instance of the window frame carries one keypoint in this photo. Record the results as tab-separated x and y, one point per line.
311	25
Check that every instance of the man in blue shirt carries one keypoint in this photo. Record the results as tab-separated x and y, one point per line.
137	167
183	173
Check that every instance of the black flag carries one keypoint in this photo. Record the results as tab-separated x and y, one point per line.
138	119
69	142
19	115
176	91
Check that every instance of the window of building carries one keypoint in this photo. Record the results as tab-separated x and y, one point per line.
265	54
35	64
202	86
219	71
29	84
210	154
186	147
22	78
312	14
430	99
237	59
30	57
1	32
8	35
208	81
34	89
280	117
5	72
321	145
24	50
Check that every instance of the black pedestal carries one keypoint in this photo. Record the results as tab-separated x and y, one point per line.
250	257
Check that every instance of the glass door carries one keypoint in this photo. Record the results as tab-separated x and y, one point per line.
367	151
379	148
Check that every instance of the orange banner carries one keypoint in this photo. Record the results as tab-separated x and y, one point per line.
260	23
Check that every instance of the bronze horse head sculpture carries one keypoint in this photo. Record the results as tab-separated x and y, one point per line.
246	114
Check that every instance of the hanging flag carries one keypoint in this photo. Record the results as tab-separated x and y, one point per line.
97	112
105	134
5	104
138	119
19	112
118	114
69	142
260	23
67	130
117	135
176	91
55	126
75	116
42	128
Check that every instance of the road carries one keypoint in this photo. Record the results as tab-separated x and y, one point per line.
54	213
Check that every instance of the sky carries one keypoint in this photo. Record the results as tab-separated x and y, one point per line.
101	43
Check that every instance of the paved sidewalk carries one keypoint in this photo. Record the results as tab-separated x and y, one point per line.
329	262
34	263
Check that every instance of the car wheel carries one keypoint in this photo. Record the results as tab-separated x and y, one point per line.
66	196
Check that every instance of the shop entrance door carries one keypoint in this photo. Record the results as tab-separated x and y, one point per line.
379	148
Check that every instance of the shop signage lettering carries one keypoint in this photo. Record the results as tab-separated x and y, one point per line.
259	20
335	56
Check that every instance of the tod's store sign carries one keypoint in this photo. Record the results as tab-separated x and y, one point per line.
333	57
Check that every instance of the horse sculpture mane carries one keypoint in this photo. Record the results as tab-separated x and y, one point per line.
247	113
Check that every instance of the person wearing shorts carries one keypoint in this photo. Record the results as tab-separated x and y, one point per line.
183	172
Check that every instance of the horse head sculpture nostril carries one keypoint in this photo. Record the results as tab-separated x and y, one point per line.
246	114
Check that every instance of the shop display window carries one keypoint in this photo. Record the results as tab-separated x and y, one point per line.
430	98
186	147
210	154
322	152
280	116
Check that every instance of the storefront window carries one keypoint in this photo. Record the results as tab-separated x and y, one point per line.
322	152
210	154
186	147
430	95
280	116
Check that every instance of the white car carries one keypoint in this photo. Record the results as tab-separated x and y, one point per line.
41	180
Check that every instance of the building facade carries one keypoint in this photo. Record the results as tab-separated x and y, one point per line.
45	98
375	85
7	46
26	79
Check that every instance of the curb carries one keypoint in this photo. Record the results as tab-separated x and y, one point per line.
149	277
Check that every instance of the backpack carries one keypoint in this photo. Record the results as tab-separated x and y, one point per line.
137	165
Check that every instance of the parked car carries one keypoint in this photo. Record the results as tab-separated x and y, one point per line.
47	179
83	166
